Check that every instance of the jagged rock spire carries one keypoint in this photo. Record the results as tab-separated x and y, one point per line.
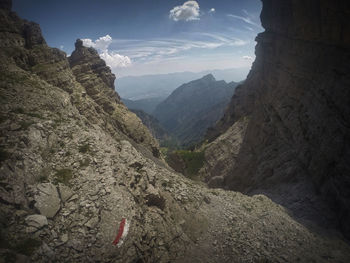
78	43
6	4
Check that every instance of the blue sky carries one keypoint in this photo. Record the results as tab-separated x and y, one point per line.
138	37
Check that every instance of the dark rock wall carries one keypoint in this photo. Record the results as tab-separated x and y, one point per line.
297	100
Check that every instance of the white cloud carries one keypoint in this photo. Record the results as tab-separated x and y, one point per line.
188	11
212	10
61	47
247	58
113	59
101	44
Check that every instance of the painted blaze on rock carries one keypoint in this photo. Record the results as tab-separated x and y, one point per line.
122	233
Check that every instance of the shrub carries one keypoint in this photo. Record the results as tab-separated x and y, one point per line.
84	148
4	155
63	176
27	246
194	161
18	110
25	124
84	163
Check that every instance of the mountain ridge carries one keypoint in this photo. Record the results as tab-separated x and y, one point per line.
161	85
186	112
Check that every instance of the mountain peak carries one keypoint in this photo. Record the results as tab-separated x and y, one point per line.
209	77
78	43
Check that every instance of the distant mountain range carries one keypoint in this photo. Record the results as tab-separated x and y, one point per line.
193	107
146	105
161	86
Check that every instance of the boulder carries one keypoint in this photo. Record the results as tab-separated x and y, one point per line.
47	200
35	222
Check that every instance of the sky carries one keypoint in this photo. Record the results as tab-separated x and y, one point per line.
140	37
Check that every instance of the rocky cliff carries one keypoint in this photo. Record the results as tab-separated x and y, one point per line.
79	184
291	118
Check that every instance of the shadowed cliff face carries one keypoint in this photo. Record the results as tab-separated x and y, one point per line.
296	99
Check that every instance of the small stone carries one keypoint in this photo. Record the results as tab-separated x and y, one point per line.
65	192
73	198
46	251
92	222
35	222
206	199
64	238
14	127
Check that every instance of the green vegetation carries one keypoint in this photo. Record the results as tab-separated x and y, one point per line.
4	155
193	160
84	163
44	175
63	176
25	124
186	162
2	118
171	144
35	115
40	67
84	148
57	122
43	178
27	246
23	78
18	110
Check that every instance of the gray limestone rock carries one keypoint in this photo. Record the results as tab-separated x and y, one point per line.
65	192
47	200
35	222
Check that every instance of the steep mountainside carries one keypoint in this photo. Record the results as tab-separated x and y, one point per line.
146	105
152	124
193	107
290	120
77	172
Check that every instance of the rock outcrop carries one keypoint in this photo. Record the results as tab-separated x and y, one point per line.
296	146
58	143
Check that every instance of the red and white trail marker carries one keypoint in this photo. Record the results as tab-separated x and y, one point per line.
122	233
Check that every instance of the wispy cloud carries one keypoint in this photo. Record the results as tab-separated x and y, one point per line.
248	18
212	10
192	49
247	57
164	48
189	11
